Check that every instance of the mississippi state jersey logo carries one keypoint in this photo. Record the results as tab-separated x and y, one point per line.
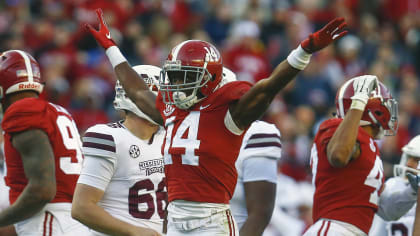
151	166
134	151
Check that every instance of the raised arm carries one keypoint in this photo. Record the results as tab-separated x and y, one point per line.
38	162
343	146
256	101
136	89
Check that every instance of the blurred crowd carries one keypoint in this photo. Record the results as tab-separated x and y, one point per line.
253	36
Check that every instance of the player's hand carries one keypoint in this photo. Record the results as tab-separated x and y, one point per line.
325	36
363	87
102	36
413	180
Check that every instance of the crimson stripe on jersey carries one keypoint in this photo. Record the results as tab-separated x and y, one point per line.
263	140
99	135
258	145
98	141
255	136
99	146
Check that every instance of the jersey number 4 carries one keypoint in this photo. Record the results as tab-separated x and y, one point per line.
190	143
373	179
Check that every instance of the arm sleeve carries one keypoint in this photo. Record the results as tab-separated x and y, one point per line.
261	139
260	169
397	199
96	172
100	161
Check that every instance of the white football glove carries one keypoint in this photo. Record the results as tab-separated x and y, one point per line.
363	87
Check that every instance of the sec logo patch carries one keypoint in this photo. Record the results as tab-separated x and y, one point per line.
134	151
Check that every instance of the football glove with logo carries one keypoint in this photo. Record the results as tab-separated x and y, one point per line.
325	36
102	36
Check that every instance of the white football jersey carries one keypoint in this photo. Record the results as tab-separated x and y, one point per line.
129	170
404	225
257	161
4	190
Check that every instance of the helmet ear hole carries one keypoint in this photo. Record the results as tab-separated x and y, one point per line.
378	113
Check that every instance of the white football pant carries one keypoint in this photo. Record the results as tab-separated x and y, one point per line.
325	227
53	220
218	224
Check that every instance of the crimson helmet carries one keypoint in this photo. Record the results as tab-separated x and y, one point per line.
381	108
191	66
19	71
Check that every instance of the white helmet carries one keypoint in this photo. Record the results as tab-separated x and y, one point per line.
150	75
412	149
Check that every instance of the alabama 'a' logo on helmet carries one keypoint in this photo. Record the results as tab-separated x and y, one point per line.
169	109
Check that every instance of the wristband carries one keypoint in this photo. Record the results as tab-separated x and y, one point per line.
358	105
298	58
115	56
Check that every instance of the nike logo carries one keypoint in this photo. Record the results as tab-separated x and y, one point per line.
204	107
108	35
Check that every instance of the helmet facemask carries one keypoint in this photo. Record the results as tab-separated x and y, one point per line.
384	113
184	84
401	169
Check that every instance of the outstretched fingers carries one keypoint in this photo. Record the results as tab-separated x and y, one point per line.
100	15
89	28
334	23
340	35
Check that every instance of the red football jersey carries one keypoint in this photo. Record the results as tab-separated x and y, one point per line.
57	123
199	151
348	194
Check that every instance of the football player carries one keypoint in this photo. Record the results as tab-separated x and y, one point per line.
205	122
122	189
252	203
4	197
43	152
255	192
346	167
408	164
